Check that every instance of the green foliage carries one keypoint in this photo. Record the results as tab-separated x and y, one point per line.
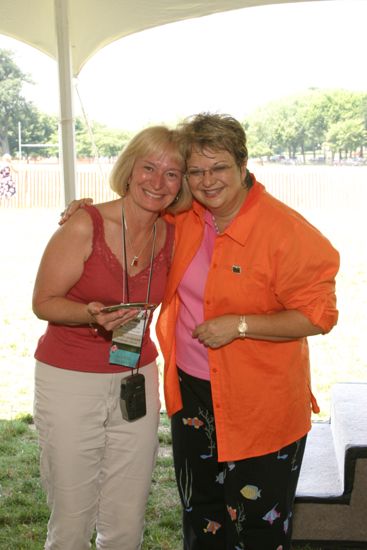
318	119
36	127
98	140
12	103
40	128
346	135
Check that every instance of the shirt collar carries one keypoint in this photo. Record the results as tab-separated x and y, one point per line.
235	230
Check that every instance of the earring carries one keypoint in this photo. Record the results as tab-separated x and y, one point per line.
126	189
177	197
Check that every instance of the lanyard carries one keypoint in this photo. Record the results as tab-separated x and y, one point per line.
126	295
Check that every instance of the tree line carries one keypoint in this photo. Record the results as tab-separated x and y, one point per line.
330	122
40	129
317	122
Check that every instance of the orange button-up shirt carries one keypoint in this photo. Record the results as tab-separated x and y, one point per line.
269	259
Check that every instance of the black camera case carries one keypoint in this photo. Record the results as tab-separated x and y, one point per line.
132	397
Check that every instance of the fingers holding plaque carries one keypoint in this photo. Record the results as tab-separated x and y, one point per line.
130	305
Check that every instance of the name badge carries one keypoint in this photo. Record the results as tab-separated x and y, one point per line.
127	341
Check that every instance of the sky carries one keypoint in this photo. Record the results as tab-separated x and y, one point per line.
232	62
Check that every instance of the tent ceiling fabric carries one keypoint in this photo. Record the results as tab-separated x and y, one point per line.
95	23
72	31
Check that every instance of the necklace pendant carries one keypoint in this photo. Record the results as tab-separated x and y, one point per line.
134	261
215	225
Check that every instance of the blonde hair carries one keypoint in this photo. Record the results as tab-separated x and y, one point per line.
151	141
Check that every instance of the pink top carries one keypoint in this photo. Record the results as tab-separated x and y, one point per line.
192	356
78	347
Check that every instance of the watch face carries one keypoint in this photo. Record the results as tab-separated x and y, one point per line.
242	327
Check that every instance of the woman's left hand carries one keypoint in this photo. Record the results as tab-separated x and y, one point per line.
217	332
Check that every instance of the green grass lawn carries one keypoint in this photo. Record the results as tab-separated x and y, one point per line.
23	508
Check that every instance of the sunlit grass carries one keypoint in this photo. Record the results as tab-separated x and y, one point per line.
23	509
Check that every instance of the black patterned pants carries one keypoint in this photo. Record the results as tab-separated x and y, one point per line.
242	505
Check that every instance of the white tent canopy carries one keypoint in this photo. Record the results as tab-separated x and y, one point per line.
72	31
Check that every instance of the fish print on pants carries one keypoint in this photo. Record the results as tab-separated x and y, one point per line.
221	477
212	526
232	513
209	430
194	422
251	492
272	515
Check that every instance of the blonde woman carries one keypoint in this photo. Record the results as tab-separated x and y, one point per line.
96	465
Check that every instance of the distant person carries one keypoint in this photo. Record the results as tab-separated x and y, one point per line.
96	463
7	182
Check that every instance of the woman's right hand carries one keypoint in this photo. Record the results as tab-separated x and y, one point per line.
73	207
112	320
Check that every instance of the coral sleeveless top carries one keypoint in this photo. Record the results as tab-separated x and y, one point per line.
79	348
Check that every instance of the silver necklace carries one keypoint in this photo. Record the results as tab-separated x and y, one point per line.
135	260
215	225
126	295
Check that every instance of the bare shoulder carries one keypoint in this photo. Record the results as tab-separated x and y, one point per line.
79	226
110	211
73	239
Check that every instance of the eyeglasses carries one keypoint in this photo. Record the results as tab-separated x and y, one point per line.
219	170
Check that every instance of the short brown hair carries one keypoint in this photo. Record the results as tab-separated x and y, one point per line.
152	140
215	132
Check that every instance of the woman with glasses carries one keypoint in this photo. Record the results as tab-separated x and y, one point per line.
97	451
251	279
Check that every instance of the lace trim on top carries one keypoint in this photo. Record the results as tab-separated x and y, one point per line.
140	280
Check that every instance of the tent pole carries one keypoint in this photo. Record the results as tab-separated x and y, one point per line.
66	100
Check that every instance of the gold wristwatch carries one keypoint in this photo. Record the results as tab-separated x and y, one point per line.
242	327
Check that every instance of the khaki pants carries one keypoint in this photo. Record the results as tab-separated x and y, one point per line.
96	468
